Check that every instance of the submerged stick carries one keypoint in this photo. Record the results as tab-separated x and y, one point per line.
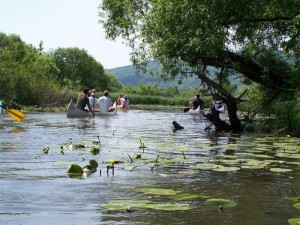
130	158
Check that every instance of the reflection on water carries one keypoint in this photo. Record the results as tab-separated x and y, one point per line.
35	188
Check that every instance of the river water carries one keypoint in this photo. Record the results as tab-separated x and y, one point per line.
36	189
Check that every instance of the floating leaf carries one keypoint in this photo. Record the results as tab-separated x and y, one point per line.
78	146
204	166
94	163
74	168
159	191
221	202
171	206
294	221
253	167
75	171
294	198
297	205
225	168
126	204
186	196
95	150
279	170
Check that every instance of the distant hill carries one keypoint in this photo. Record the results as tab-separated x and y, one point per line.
127	75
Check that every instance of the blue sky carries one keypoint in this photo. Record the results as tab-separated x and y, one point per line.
62	23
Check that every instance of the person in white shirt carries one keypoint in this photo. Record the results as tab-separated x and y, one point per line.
92	100
125	103
104	102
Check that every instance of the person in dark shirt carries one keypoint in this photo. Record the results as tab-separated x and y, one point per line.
198	102
83	100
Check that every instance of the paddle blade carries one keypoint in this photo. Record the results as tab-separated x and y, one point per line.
16	115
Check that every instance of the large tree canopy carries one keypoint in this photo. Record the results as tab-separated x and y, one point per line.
77	66
255	40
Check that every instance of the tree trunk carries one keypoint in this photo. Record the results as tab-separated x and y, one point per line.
235	122
231	103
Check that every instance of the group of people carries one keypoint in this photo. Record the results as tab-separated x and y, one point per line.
88	102
198	102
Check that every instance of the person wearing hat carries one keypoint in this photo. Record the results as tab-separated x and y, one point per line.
83	100
104	103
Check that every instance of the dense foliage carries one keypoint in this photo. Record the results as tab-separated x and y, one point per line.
252	41
27	76
77	67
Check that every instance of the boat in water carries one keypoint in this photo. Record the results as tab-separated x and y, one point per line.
72	111
197	111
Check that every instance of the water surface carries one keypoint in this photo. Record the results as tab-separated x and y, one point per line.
35	187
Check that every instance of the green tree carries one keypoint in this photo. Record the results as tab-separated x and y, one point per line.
77	66
256	40
112	83
26	76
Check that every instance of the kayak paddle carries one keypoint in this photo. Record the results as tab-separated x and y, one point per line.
15	114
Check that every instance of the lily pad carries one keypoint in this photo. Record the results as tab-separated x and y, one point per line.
226	203
294	198
75	171
187	196
78	145
95	150
297	205
171	206
294	221
74	168
280	170
94	163
204	166
125	204
159	191
226	168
